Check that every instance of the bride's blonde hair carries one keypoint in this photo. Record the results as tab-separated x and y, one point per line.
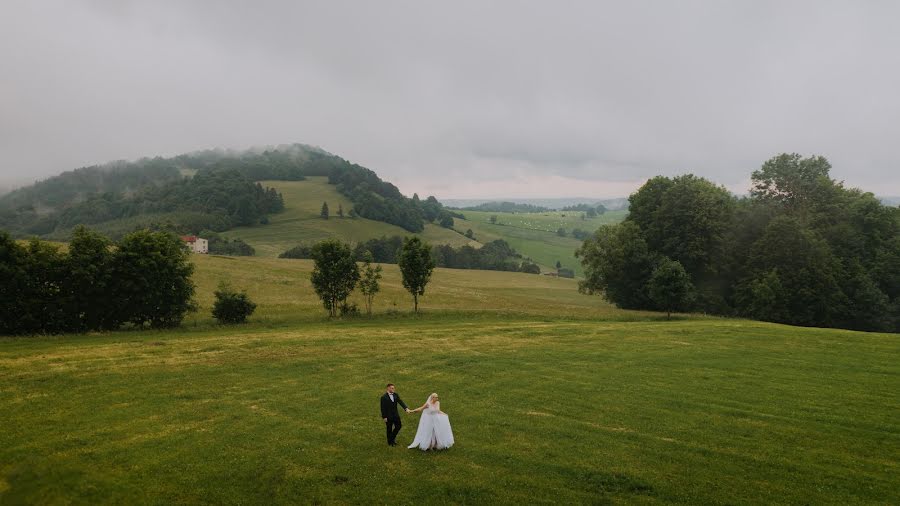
431	397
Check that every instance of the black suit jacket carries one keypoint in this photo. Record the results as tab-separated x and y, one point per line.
389	409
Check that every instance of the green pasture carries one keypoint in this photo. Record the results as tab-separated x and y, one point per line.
534	234
301	223
555	398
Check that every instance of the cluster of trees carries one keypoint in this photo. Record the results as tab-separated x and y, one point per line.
381	201
336	274
495	255
591	211
144	279
221	245
801	249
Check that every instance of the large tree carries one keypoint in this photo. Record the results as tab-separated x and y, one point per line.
687	219
617	263
335	273
153	279
416	265
90	280
670	286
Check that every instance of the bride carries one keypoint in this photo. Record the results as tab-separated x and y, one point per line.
434	431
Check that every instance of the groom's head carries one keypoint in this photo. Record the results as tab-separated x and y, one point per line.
390	388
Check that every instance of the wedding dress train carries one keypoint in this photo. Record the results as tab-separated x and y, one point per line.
434	431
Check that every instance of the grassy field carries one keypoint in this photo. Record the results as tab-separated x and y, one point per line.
554	397
301	223
534	234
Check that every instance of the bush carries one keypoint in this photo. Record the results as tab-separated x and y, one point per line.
349	309
232	307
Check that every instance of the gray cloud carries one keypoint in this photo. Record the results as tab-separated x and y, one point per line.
459	98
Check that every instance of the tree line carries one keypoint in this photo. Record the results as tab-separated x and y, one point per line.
801	249
496	255
143	279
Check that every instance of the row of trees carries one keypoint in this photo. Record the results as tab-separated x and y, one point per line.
496	255
144	279
336	273
801	249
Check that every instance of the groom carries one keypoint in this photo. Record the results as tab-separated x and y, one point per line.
389	413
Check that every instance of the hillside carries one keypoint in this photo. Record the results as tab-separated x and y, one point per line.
554	397
535	234
207	190
301	223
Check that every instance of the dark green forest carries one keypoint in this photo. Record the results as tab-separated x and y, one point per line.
801	249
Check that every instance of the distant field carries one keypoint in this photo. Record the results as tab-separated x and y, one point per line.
554	397
300	222
535	234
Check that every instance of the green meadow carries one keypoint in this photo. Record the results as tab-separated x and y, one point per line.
535	234
554	397
301	222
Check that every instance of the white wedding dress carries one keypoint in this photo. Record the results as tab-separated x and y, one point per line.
434	431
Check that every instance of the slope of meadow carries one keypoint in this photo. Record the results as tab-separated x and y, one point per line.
535	234
554	397
301	221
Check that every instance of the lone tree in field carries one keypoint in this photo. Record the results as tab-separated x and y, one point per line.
335	273
670	286
493	218
340	211
324	213
368	284
415	264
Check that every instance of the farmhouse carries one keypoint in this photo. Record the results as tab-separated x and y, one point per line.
196	244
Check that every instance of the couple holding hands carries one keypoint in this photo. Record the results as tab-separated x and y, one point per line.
434	431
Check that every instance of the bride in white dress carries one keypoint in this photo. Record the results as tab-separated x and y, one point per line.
434	431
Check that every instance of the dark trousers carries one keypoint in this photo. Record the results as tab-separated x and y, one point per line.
393	427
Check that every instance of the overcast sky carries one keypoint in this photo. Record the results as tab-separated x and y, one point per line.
460	99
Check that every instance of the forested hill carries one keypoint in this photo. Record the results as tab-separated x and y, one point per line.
213	189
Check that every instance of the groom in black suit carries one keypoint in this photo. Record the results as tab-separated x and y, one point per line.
389	413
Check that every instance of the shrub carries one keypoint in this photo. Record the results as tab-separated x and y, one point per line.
232	307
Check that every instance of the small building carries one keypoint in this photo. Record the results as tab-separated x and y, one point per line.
196	244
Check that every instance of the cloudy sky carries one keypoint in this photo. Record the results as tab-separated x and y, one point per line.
464	98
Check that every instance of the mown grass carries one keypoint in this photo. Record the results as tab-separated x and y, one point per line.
554	397
301	223
535	234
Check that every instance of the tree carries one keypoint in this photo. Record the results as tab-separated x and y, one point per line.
790	179
368	284
687	219
447	221
153	279
561	232
792	277
416	265
669	286
470	234
618	264
231	307
90	281
340	212
558	265
334	274
324	212
493	218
